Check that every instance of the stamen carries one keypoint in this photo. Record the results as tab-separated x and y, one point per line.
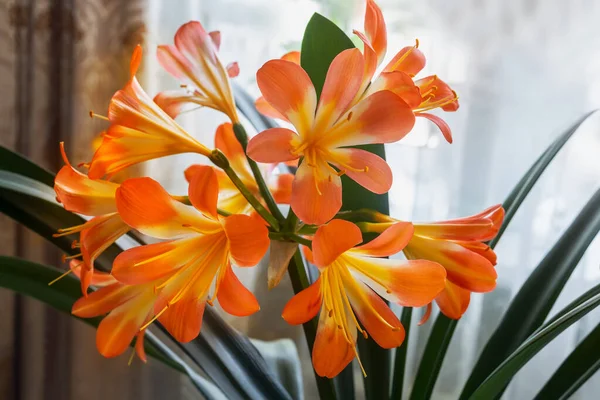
155	317
404	56
65	274
75	244
360	363
300	149
69	231
65	257
131	357
94	115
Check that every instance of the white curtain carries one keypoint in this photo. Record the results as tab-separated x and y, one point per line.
524	71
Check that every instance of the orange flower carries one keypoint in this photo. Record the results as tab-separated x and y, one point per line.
140	130
327	130
194	61
263	105
348	290
92	197
171	280
230	198
423	95
458	245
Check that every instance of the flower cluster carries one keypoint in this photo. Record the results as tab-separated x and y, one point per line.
230	215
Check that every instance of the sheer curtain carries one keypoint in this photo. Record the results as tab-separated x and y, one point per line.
524	70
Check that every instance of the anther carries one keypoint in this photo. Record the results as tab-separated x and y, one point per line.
330	313
366	169
94	115
329	178
417	43
74	244
365	334
350	116
340	327
395	329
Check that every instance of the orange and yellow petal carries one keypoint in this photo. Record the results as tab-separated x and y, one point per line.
375	29
273	145
175	102
288	89
408	283
343	80
292	56
305	305
103	300
203	190
333	239
409	60
150	262
331	351
234	297
99	278
144	205
78	193
453	301
383	117
389	242
399	83
282	189
226	141
316	194
464	267
183	319
266	109
365	168
248	239
376	317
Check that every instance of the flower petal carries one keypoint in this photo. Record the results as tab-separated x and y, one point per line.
342	82
216	38
103	300
175	102
383	117
409	60
248	239
399	83
376	316
147	263
408	283
267	110
144	205
332	240
288	88
375	29
389	242
444	127
331	351
226	141
365	168
315	201
99	278
203	190
233	69
453	300
183	319
83	195
305	305
234	297
465	268
282	189
292	56
273	145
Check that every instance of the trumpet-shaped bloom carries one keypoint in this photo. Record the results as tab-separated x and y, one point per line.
230	198
140	130
349	288
171	280
397	76
458	245
325	131
92	197
193	60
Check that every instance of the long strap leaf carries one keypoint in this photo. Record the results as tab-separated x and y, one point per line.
238	377
501	376
535	299
580	365
400	357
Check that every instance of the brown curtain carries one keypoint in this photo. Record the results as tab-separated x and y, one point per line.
58	60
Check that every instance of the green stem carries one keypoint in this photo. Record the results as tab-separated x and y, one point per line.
400	360
288	236
219	159
242	137
363	214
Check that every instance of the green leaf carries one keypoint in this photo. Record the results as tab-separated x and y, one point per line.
535	299
227	358
522	189
14	162
501	376
433	357
580	365
323	40
400	358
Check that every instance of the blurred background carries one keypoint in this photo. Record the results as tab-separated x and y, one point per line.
524	70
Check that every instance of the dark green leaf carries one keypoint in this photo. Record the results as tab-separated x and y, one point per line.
400	358
495	383
533	302
433	357
14	162
322	42
579	366
522	189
